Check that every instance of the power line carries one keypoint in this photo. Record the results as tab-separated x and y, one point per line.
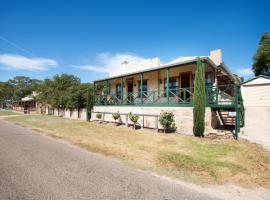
16	46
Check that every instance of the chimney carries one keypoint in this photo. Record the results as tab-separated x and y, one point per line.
216	56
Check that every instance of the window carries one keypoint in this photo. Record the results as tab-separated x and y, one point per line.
173	86
144	88
208	78
118	91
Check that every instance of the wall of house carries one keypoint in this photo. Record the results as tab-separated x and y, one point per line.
183	116
156	79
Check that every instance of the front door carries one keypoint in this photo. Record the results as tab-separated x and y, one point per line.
185	86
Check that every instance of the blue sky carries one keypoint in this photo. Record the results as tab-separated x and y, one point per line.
42	38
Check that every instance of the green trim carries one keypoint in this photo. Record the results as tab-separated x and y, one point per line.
122	92
182	64
237	119
167	82
148	105
141	87
167	105
211	98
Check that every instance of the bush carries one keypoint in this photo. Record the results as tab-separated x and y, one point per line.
134	118
166	119
116	116
199	100
99	115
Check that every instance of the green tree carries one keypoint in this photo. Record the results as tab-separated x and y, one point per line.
64	91
199	100
77	96
22	86
46	92
261	64
6	92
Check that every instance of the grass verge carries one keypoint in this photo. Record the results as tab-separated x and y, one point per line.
7	113
186	157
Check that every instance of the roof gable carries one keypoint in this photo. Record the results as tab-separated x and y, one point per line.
258	80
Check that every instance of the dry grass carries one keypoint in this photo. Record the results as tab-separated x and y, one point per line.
7	113
186	157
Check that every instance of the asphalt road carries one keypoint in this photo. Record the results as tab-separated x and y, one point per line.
34	166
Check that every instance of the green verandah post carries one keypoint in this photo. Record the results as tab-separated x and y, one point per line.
122	95
107	91
237	110
141	88
167	83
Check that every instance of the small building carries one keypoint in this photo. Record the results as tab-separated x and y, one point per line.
27	105
256	96
155	87
256	92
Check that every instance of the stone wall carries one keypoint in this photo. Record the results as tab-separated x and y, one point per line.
183	116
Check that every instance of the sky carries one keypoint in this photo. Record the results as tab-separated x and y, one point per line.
88	39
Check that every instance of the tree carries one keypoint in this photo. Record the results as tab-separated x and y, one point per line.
46	92
261	65
22	86
77	96
64	91
6	91
199	100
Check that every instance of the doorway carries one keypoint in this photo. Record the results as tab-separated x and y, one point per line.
130	92
185	86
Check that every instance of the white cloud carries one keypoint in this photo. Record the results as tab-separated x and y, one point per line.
245	72
115	64
18	62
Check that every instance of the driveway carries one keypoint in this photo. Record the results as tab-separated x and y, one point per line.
34	166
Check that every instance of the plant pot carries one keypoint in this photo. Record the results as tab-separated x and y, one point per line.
169	130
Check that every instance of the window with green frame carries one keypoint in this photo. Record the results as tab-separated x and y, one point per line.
118	91
144	88
173	86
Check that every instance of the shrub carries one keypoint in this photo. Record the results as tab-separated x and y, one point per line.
199	100
134	118
99	115
166	119
116	116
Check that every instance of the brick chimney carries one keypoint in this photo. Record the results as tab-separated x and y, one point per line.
216	56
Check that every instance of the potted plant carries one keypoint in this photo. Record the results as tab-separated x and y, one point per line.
98	116
116	116
134	119
166	119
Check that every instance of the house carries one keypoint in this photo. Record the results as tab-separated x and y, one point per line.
256	95
28	105
158	87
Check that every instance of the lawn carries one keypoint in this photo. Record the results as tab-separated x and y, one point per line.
198	160
7	112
